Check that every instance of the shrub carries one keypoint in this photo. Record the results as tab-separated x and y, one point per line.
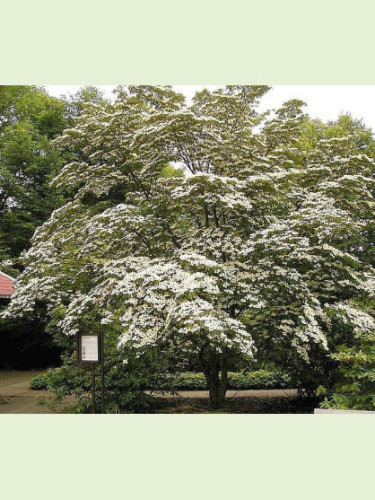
126	379
40	382
356	388
259	379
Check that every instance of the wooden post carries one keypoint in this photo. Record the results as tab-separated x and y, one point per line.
102	368
93	389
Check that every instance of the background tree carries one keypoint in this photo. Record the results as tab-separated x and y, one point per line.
29	122
29	119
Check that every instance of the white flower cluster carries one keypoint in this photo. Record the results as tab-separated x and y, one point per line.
249	241
351	315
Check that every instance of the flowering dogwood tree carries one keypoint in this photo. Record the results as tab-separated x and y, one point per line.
246	247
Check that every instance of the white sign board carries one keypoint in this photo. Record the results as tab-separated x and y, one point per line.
89	348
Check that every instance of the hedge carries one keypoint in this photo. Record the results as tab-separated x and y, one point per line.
260	379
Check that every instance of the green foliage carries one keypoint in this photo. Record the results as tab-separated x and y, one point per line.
124	391
27	161
259	379
29	121
39	383
170	171
258	249
356	388
31	104
126	378
77	102
188	381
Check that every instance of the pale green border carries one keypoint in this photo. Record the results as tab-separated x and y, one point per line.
187	457
193	456
196	42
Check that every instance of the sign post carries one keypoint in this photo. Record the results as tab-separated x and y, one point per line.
102	366
93	388
89	353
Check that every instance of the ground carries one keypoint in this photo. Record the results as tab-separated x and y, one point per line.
15	388
251	401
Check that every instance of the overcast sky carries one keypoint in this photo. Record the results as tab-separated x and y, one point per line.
323	101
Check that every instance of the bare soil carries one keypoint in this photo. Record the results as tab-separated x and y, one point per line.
15	389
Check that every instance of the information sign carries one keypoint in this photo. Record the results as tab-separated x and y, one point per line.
89	349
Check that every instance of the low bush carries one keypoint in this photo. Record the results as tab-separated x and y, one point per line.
260	379
40	382
355	390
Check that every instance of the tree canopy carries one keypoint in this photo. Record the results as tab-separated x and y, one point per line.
211	229
29	119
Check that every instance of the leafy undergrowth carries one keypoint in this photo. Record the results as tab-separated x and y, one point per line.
237	405
257	379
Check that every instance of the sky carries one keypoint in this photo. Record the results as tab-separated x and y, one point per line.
326	102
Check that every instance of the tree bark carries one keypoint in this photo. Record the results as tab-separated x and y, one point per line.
216	372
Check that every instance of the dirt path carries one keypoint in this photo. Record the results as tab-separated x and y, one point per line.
17	383
231	394
15	388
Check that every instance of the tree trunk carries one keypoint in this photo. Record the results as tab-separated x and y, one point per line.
216	373
217	393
